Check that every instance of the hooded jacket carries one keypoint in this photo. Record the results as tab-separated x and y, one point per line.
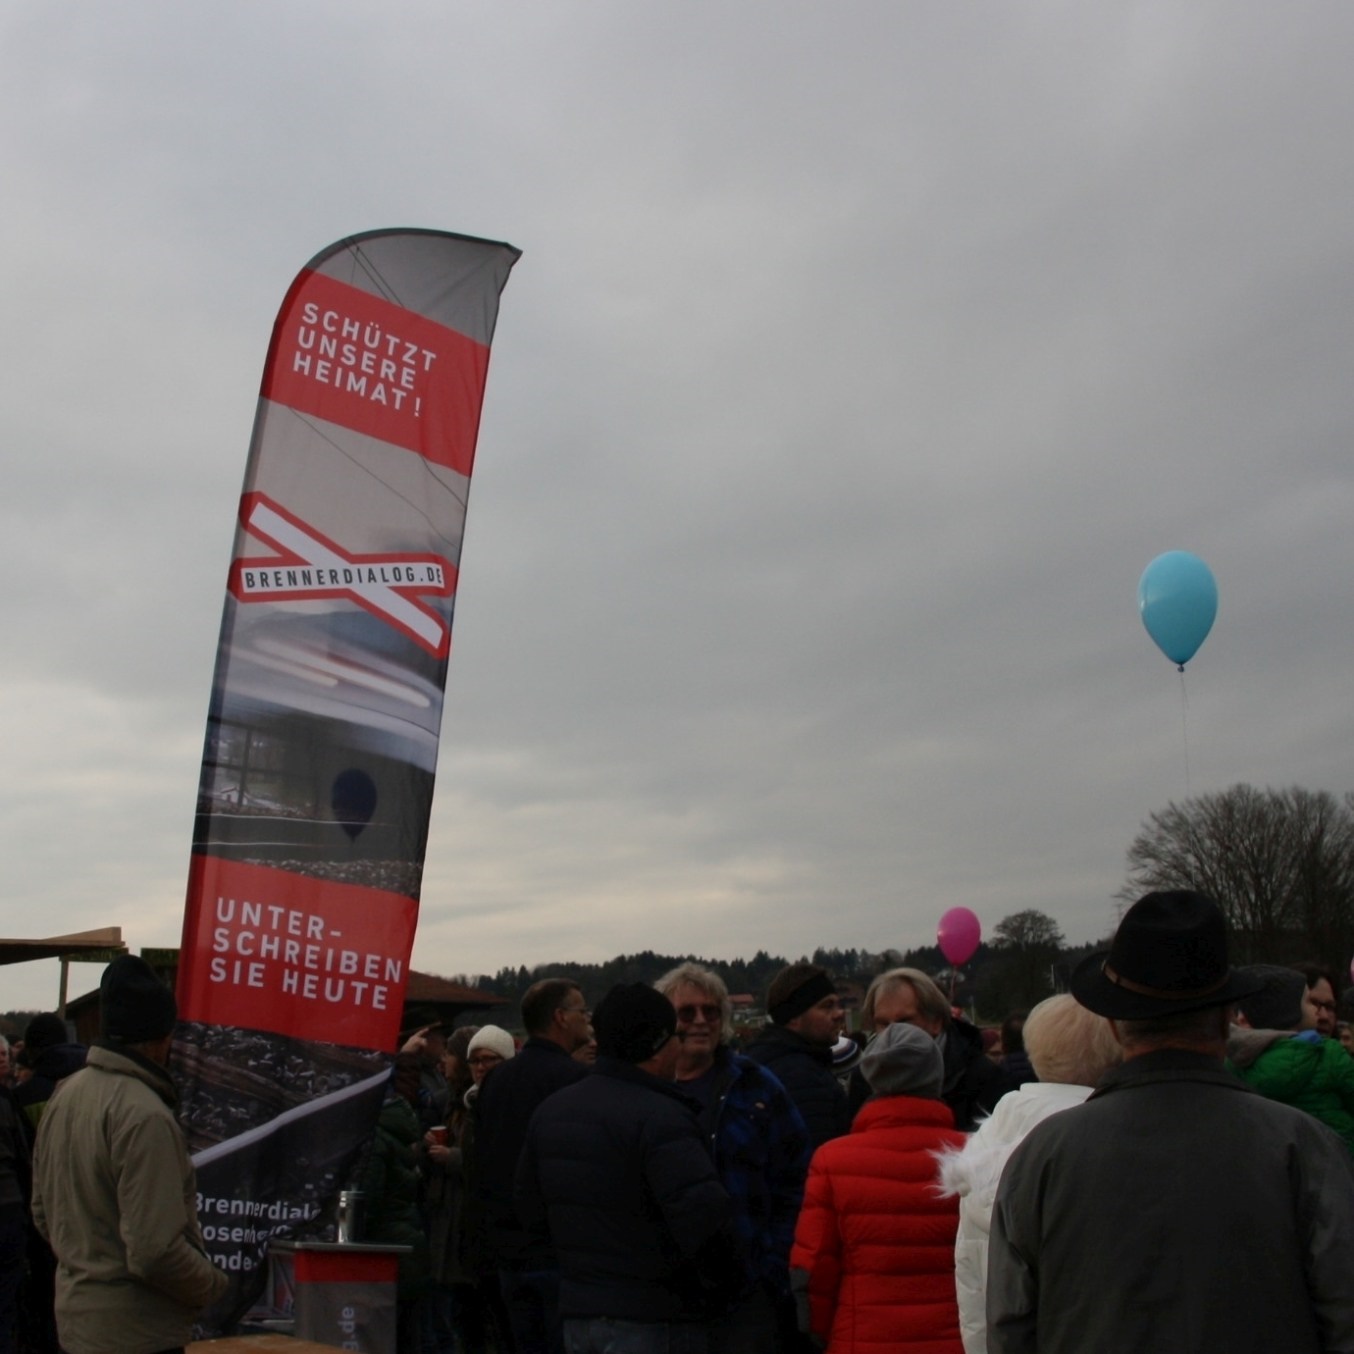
113	1193
875	1240
972	1172
1310	1073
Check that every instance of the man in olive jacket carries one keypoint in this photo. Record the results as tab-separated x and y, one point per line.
113	1188
1175	1210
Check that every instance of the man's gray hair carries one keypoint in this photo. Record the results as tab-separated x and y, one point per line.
709	982
1207	1027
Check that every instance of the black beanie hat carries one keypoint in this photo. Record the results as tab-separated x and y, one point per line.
633	1022
795	988
45	1031
137	1008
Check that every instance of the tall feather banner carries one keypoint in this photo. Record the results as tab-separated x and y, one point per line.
322	733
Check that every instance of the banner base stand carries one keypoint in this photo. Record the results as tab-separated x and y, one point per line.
332	1293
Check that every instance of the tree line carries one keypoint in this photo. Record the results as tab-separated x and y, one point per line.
1279	862
1026	961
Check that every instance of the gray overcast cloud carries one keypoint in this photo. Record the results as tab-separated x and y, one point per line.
859	360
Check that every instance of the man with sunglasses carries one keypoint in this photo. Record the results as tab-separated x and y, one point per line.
761	1151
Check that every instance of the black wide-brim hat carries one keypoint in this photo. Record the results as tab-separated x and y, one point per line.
1169	956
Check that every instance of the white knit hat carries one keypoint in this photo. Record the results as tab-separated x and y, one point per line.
493	1038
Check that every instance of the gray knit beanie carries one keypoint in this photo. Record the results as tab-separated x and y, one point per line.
903	1060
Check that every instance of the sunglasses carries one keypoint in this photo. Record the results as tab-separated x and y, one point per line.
484	1059
708	1009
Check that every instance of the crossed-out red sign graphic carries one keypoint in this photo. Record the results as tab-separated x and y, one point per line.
309	565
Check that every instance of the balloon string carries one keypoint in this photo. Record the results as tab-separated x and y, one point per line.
1184	726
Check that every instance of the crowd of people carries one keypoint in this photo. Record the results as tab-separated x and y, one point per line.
639	1179
1160	1159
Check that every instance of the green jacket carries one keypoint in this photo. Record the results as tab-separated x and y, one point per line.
1315	1076
389	1180
113	1193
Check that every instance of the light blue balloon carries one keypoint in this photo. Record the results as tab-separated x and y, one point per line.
1178	599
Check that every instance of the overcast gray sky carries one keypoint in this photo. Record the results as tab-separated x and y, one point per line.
859	360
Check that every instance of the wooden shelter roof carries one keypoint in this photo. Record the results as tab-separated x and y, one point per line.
83	943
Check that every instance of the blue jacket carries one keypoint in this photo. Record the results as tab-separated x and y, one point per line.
761	1149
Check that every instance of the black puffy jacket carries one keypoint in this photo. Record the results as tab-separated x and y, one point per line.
616	1171
805	1070
503	1109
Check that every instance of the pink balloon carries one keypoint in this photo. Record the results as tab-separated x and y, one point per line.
958	935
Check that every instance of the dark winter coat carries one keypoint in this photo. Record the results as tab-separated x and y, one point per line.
503	1109
1176	1210
51	1066
614	1169
805	1070
1016	1070
973	1082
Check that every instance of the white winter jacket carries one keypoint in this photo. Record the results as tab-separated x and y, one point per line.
973	1173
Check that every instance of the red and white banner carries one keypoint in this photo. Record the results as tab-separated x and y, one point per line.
322	734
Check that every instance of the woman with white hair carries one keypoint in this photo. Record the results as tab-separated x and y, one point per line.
1070	1049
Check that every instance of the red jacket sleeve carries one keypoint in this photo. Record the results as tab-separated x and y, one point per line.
818	1248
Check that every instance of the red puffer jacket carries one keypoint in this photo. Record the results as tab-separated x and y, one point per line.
876	1238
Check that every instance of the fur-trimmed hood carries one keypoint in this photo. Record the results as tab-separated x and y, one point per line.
973	1171
1245	1046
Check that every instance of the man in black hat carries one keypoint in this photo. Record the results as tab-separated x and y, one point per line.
113	1189
616	1171
1175	1209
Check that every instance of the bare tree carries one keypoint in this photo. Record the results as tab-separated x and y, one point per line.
1280	862
1029	930
1027	945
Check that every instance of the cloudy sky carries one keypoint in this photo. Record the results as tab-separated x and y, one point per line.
859	359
